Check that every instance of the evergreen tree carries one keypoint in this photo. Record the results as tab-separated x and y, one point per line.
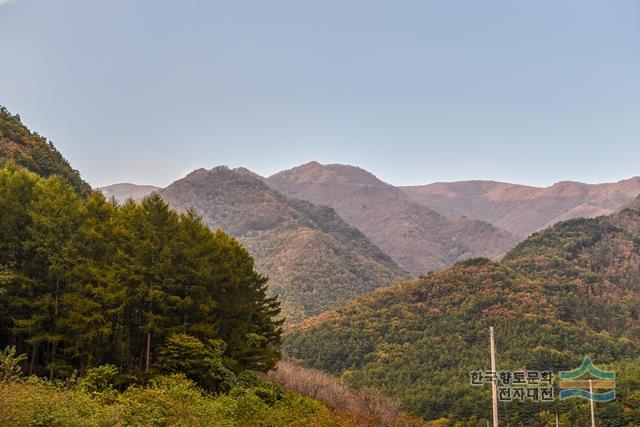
85	282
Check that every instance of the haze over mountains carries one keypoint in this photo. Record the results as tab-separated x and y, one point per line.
126	191
325	234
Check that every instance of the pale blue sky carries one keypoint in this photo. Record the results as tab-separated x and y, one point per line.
415	91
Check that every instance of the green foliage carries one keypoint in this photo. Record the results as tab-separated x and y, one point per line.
10	363
202	363
86	282
167	401
99	379
267	392
567	292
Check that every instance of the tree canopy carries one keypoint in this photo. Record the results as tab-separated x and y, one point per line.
86	282
567	292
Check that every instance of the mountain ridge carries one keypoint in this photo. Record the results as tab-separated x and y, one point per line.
293	242
424	228
28	149
523	209
416	237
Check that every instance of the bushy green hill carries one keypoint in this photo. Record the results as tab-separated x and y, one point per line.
567	292
34	152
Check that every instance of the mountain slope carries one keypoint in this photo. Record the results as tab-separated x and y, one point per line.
416	237
314	259
521	209
566	292
34	152
124	191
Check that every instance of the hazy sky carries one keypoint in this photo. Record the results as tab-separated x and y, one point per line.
415	91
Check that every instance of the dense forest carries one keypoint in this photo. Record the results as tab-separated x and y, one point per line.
86	282
567	292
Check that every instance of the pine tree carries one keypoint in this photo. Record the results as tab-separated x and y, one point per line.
85	282
95	299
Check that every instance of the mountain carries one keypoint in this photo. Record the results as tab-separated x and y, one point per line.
32	151
314	260
566	292
124	191
635	204
416	237
521	209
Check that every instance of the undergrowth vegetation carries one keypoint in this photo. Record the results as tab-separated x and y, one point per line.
165	401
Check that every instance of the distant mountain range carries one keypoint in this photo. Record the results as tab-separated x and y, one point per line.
314	259
521	209
422	228
418	238
124	191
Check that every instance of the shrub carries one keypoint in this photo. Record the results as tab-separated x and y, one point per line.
201	363
167	401
10	364
99	380
366	404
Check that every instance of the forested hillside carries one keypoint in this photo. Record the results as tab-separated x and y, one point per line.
566	292
34	152
313	259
